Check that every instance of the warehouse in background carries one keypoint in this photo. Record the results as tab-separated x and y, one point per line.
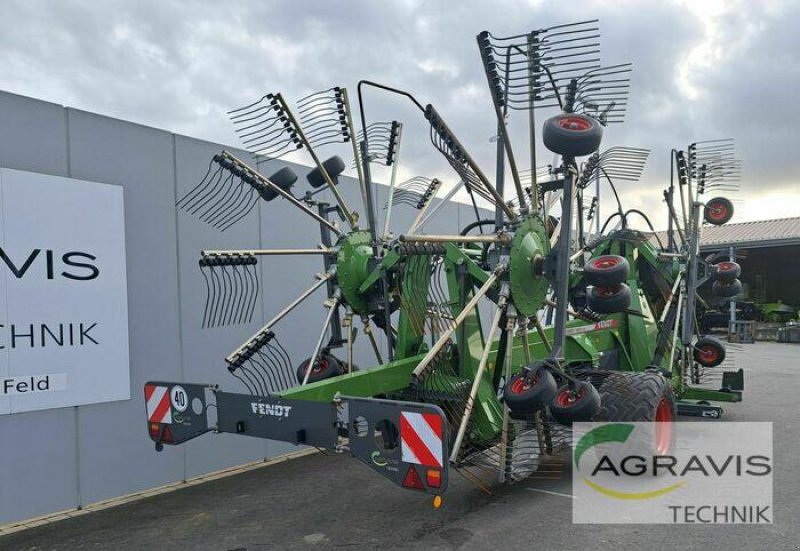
92	446
769	253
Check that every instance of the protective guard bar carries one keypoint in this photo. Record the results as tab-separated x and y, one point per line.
406	442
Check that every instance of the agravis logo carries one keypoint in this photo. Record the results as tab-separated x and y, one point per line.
615	432
708	473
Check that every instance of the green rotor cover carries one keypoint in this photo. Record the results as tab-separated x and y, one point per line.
528	290
352	268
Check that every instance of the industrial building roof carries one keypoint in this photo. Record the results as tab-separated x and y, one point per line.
759	233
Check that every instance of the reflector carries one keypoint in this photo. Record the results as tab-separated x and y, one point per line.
412	479
166	435
434	478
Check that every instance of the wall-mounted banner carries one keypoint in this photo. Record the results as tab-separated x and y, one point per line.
63	293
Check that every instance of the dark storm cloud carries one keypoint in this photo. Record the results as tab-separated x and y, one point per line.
182	65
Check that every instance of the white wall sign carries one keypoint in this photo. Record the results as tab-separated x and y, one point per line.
63	293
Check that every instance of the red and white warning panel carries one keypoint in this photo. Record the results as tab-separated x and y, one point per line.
421	438
404	441
175	412
158	404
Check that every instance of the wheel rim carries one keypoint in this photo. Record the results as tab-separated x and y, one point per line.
578	124
566	398
664	426
709	354
717	211
318	368
604	263
521	385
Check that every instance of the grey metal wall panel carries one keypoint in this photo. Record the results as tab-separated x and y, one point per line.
205	349
116	456
38	464
33	135
38	458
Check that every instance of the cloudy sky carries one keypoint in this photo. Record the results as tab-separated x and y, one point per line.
702	70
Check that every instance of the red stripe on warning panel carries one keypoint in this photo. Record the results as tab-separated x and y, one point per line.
162	409
435	422
413	441
148	391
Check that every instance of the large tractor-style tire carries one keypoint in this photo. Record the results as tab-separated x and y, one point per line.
609	300
709	352
726	290
327	366
607	270
727	272
526	393
572	135
571	405
641	397
718	211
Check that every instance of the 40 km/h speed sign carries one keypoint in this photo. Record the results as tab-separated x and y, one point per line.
180	400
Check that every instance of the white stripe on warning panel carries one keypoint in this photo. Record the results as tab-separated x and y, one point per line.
425	433
408	454
156	414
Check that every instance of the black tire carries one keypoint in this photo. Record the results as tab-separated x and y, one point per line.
718	211
726	290
609	300
581	404
284	179
327	366
528	392
572	135
641	397
333	166
727	272
608	270
709	352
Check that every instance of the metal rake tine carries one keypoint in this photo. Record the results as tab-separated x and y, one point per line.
228	291
208	295
239	201
244	301
222	282
201	202
215	296
230	203
218	201
265	370
252	201
200	192
251	368
191	192
238	294
247	298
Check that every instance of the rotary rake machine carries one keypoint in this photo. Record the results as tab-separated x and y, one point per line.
497	338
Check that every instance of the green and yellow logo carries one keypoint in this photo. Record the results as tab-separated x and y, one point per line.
608	434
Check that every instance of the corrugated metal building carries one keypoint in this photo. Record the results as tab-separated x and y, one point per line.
768	251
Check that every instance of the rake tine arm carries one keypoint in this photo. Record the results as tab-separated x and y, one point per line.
473	393
263	182
348	215
268	252
468	308
334	306
279	316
